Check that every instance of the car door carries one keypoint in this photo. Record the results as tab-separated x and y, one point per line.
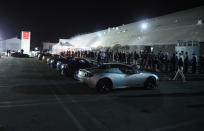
131	76
135	79
117	77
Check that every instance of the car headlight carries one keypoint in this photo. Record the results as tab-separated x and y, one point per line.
64	66
52	61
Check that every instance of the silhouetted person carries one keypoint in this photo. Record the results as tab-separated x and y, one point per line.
180	63
166	62
22	51
186	61
173	65
201	63
194	64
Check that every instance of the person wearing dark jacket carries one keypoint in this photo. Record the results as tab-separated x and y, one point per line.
186	61
194	64
173	65
180	63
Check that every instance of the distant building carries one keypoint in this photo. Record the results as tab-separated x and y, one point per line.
61	46
48	46
13	44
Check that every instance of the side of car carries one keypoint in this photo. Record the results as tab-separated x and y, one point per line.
118	77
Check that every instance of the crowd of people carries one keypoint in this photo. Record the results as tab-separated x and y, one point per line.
159	62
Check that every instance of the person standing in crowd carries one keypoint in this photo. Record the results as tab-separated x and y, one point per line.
142	58
128	58
180	69
173	65
166	61
99	57
194	63
180	62
177	58
201	63
148	63
153	61
161	61
186	61
136	57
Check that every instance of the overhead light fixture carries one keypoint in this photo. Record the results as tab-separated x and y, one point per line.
144	25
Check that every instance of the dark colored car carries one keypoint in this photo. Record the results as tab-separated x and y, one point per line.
53	61
73	65
60	62
20	55
53	57
40	55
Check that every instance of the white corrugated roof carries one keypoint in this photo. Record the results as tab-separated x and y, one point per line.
166	29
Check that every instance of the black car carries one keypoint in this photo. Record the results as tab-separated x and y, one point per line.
20	55
53	61
59	62
72	66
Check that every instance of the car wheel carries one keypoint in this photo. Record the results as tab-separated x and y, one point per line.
75	75
104	86
150	83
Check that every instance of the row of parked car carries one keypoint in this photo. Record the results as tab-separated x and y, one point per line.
104	77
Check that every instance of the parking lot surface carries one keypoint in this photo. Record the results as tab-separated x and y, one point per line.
34	97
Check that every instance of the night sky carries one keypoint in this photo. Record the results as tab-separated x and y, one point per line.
49	21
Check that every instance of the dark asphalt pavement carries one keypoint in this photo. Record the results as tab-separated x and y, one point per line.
34	97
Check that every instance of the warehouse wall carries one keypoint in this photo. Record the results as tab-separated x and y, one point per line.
13	44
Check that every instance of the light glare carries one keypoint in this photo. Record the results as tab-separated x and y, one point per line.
144	26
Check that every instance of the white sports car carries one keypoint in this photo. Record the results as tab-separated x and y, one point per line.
109	76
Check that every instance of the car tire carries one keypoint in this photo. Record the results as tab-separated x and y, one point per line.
75	75
150	83
104	86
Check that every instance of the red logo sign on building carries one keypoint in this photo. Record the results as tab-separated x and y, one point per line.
25	35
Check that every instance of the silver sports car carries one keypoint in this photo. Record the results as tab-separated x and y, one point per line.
109	76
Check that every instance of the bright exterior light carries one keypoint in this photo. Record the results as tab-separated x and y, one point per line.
99	34
144	26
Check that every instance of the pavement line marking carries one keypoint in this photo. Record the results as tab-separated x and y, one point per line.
92	118
69	113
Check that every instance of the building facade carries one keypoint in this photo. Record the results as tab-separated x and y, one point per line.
162	33
13	44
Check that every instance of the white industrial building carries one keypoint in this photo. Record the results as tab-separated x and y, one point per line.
164	33
13	44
